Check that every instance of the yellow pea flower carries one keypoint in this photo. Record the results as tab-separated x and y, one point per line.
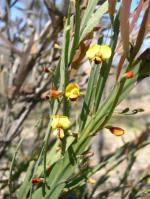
98	53
72	91
60	121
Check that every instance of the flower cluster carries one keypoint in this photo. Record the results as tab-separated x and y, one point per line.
61	122
98	54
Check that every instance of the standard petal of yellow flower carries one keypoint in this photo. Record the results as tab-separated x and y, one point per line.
105	52
72	91
92	51
60	121
98	53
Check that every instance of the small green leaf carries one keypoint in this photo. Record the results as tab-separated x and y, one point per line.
87	15
25	187
94	20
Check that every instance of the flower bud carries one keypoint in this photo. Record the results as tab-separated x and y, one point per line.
129	74
37	180
116	130
55	93
45	69
91	181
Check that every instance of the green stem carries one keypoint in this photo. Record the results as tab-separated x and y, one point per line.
11	170
103	114
101	84
118	94
88	97
106	66
77	30
46	140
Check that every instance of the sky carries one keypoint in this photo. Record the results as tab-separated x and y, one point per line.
17	13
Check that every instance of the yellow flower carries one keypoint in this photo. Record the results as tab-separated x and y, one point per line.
98	53
60	121
72	91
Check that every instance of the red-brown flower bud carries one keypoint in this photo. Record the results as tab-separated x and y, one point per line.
37	180
55	93
116	130
45	69
129	74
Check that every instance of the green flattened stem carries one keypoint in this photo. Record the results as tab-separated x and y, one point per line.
77	30
102	116
106	66
88	97
11	170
